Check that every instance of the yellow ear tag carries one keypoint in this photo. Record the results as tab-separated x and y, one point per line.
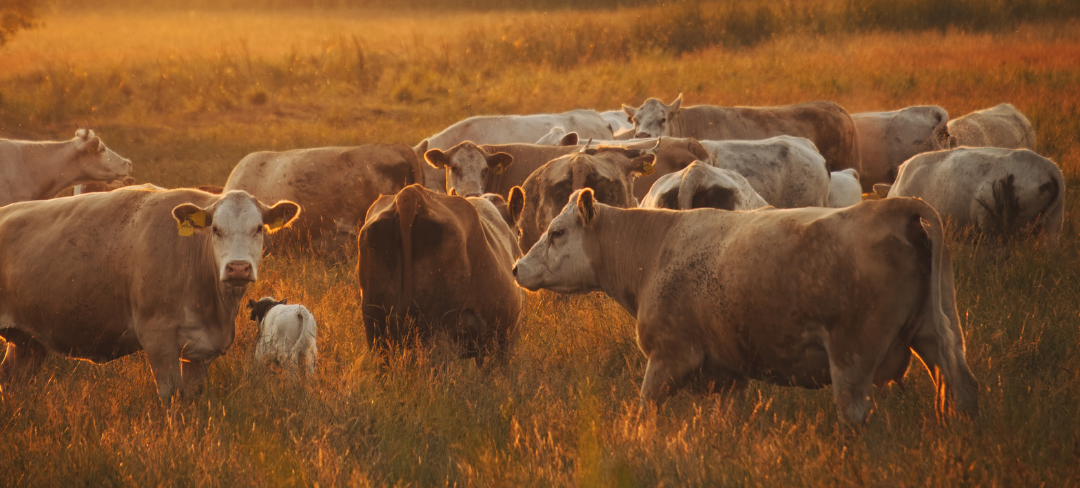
277	223
185	229
198	218
498	169
647	168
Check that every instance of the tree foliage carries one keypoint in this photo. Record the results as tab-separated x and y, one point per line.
16	15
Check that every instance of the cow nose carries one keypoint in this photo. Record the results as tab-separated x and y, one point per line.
238	270
641	135
514	271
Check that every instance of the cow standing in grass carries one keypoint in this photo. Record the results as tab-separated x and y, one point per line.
38	170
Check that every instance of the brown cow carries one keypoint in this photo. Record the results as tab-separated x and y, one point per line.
334	185
802	297
130	282
609	171
826	124
432	264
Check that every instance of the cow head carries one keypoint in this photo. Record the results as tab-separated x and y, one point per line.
653	118
558	136
560	259
94	161
468	167
237	224
261	307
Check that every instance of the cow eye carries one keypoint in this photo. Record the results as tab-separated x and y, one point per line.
555	234
663	120
216	230
260	229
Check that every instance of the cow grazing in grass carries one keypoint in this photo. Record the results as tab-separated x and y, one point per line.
38	170
701	185
786	171
887	139
844	188
286	334
508	129
155	271
801	297
999	126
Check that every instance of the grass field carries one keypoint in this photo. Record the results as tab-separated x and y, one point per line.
185	94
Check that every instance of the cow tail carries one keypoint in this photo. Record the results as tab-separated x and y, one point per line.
687	188
1053	214
1004	211
408	204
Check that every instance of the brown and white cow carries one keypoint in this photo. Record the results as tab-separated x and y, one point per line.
701	185
334	185
801	297
609	171
887	139
998	191
999	126
433	264
38	170
827	124
156	271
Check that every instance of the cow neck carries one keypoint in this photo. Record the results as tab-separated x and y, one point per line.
625	257
46	167
227	297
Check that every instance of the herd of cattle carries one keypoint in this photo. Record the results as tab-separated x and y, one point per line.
710	225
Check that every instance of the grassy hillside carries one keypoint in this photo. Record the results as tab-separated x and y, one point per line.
185	94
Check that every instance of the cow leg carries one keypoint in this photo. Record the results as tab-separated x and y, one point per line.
24	355
193	378
666	372
714	379
852	371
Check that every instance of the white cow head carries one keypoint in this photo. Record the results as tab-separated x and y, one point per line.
237	224
468	167
560	259
653	118
94	161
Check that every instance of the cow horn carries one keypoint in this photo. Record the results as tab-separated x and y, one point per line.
586	146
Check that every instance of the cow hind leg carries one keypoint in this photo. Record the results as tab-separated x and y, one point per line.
666	372
23	357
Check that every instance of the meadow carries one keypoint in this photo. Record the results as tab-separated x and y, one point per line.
186	93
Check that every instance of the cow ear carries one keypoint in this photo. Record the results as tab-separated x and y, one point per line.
674	107
436	158
498	162
91	145
280	215
882	189
630	111
570	139
585	208
189	217
251	303
642	165
516	203
283	302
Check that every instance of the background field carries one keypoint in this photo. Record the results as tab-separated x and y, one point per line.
186	93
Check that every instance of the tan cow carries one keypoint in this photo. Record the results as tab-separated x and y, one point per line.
802	297
334	185
609	171
433	264
38	170
999	126
998	191
509	129
701	185
887	139
156	271
826	124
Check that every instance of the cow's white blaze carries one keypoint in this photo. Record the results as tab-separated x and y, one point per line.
559	261
237	234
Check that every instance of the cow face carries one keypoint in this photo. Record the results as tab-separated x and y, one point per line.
261	307
560	259
653	118
237	224
468	167
95	161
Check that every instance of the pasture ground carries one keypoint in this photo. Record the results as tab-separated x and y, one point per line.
185	94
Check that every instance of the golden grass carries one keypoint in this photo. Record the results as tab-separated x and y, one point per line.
563	412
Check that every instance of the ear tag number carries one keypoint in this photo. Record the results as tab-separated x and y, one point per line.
198	218
647	168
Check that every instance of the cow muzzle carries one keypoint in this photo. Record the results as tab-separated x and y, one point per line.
642	135
239	271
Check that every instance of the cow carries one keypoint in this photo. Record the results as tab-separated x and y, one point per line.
38	170
887	139
621	126
1000	126
844	188
155	271
558	137
701	185
801	297
998	191
334	185
609	171
470	170
508	129
434	265
786	171
827	124
98	186
286	334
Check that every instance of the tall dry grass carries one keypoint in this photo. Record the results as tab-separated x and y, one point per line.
184	104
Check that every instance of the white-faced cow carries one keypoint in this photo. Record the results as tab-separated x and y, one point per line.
827	124
701	185
286	334
156	271
334	185
1000	126
802	297
844	188
439	265
887	139
508	129
609	171
38	170
998	191
786	171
